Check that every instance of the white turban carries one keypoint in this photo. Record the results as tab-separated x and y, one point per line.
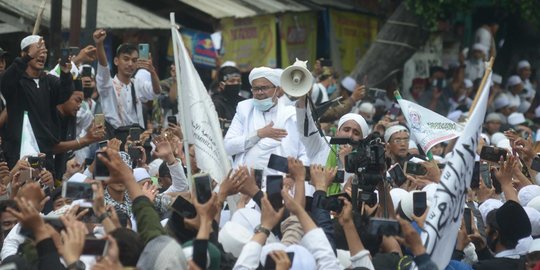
141	174
513	80
29	40
393	130
349	83
496	78
278	72
265	72
358	119
523	64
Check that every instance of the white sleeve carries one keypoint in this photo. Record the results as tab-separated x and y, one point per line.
362	259
316	242
12	242
144	90
235	142
107	95
316	147
249	257
179	179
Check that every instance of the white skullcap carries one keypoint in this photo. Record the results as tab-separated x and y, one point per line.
487	206
516	118
535	246
501	101
527	193
278	72
497	137
29	40
486	138
523	64
412	144
496	78
393	130
513	80
141	174
534	218
524	106
349	83
268	248
358	119
481	47
493	117
77	178
367	107
264	72
247	218
233	237
303	259
153	167
228	64
504	144
534	203
468	83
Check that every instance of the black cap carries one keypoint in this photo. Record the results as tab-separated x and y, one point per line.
513	221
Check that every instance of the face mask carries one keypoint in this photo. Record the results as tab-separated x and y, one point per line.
231	90
331	89
264	104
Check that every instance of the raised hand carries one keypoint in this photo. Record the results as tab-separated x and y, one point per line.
296	169
99	36
73	238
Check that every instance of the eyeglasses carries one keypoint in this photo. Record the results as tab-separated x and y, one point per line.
264	88
401	140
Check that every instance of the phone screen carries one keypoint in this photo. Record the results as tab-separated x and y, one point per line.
86	72
274	184
486	174
467	215
475	178
493	154
172	120
278	163
144	51
419	203
183	208
382	226
340	141
95	247
77	191
101	172
202	187
135	134
397	175
415	168
135	154
271	264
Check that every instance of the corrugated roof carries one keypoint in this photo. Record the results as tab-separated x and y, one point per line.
115	14
244	8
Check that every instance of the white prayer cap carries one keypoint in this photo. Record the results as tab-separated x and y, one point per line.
246	217
535	246
504	144
527	193
534	217
501	101
303	259
77	178
141	174
487	206
397	194
278	72
264	72
29	40
524	106
493	117
367	107
412	144
497	137
496	78
358	119
486	138
468	83
393	130
513	81
480	47
268	248
153	167
349	83
523	64
516	118
535	203
228	64
233	237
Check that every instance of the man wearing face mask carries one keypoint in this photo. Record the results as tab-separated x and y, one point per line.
227	98
263	125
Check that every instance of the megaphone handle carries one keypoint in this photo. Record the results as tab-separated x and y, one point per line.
309	103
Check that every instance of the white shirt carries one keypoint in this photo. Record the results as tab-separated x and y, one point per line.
483	36
115	97
474	70
317	90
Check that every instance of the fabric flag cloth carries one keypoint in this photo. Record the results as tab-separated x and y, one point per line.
444	218
198	114
29	145
429	128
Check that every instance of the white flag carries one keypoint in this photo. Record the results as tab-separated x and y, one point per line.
198	114
29	145
429	128
444	218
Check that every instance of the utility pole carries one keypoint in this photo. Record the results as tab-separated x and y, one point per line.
91	21
55	30
75	23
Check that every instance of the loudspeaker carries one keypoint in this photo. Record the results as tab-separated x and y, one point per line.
296	80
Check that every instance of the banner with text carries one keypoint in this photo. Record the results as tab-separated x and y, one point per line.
250	42
298	37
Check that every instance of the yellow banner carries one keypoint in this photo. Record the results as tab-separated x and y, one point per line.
352	36
250	42
298	37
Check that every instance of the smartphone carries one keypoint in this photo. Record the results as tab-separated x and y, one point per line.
382	226
183	208
340	176
135	134
36	162
467	216
397	175
278	163
475	178
376	93
271	264
101	172
25	175
144	50
326	62
172	119
86	71
99	119
493	154
486	174
419	203
274	184
95	247
103	144
340	141
77	191
496	184
415	168
535	165
64	56
203	187
333	203
135	154
258	177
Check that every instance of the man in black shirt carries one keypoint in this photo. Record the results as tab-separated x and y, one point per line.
227	98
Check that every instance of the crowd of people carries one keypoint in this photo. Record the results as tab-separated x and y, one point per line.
151	216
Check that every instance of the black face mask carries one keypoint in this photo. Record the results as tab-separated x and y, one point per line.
231	90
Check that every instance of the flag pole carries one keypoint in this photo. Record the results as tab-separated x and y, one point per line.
482	84
38	17
183	126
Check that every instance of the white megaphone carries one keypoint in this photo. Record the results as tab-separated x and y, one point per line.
296	80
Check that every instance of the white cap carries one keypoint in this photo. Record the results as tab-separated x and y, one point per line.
534	203
349	83
481	47
368	108
496	78
141	174
527	193
493	117
278	72
516	118
393	130
246	217
153	167
228	64
77	178
534	218
497	137
513	81
504	144
501	101
487	206
468	83
535	246
265	72
233	237
523	64
29	40
524	106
